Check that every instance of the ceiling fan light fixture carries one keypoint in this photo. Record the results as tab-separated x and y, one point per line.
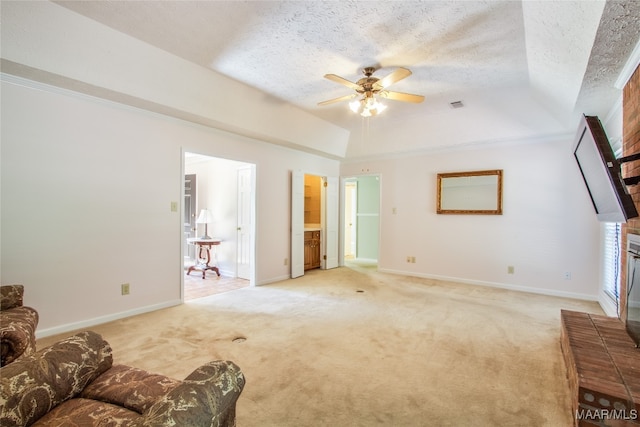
367	106
380	107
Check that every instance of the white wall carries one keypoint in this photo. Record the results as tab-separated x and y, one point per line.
548	226
86	192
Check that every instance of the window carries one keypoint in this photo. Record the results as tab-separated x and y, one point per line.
612	251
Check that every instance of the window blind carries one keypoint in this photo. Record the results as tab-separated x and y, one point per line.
611	260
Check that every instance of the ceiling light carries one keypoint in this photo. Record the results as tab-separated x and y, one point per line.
367	106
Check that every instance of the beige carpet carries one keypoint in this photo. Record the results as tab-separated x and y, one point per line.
353	347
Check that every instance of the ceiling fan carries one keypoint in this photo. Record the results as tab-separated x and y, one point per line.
369	88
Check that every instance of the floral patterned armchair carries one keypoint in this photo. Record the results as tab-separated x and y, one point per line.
17	325
74	383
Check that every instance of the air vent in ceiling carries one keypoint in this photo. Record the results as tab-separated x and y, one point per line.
456	104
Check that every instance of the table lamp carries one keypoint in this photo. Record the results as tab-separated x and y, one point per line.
205	218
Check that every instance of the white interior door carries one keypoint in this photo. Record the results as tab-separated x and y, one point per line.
297	224
331	225
189	217
350	200
244	223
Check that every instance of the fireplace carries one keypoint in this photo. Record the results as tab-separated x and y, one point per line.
632	323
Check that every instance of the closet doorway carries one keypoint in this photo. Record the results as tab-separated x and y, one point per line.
361	221
323	234
226	190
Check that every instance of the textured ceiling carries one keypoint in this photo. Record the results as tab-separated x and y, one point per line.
560	57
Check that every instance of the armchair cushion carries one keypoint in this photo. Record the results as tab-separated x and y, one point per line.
79	412
133	388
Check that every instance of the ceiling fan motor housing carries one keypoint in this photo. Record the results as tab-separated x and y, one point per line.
366	85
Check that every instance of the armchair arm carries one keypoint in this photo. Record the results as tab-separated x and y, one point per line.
33	385
11	296
207	397
17	333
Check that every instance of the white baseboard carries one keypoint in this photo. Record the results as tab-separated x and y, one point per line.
511	287
84	324
273	280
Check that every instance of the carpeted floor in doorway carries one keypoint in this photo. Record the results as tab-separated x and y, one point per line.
354	347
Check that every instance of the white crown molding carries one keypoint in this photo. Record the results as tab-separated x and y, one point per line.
629	68
468	146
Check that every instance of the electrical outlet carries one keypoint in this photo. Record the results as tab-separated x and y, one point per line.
125	288
286	261
408	259
510	269
174	206
567	275
413	260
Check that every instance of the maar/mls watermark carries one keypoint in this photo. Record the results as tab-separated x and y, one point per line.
607	414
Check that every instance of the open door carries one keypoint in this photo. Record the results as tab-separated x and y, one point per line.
331	223
297	224
189	217
350	218
245	227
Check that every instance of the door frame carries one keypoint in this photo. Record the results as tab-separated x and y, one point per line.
252	250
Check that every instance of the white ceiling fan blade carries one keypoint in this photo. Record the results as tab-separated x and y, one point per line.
342	81
400	96
396	76
342	98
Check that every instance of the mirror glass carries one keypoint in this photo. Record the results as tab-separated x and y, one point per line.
478	192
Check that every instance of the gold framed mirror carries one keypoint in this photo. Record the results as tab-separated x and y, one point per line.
470	193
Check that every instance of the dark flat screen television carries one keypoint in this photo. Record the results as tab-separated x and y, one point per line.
602	173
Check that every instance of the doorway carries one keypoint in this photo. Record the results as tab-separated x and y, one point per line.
226	189
361	219
323	234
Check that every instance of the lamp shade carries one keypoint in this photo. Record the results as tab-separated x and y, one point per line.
205	217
